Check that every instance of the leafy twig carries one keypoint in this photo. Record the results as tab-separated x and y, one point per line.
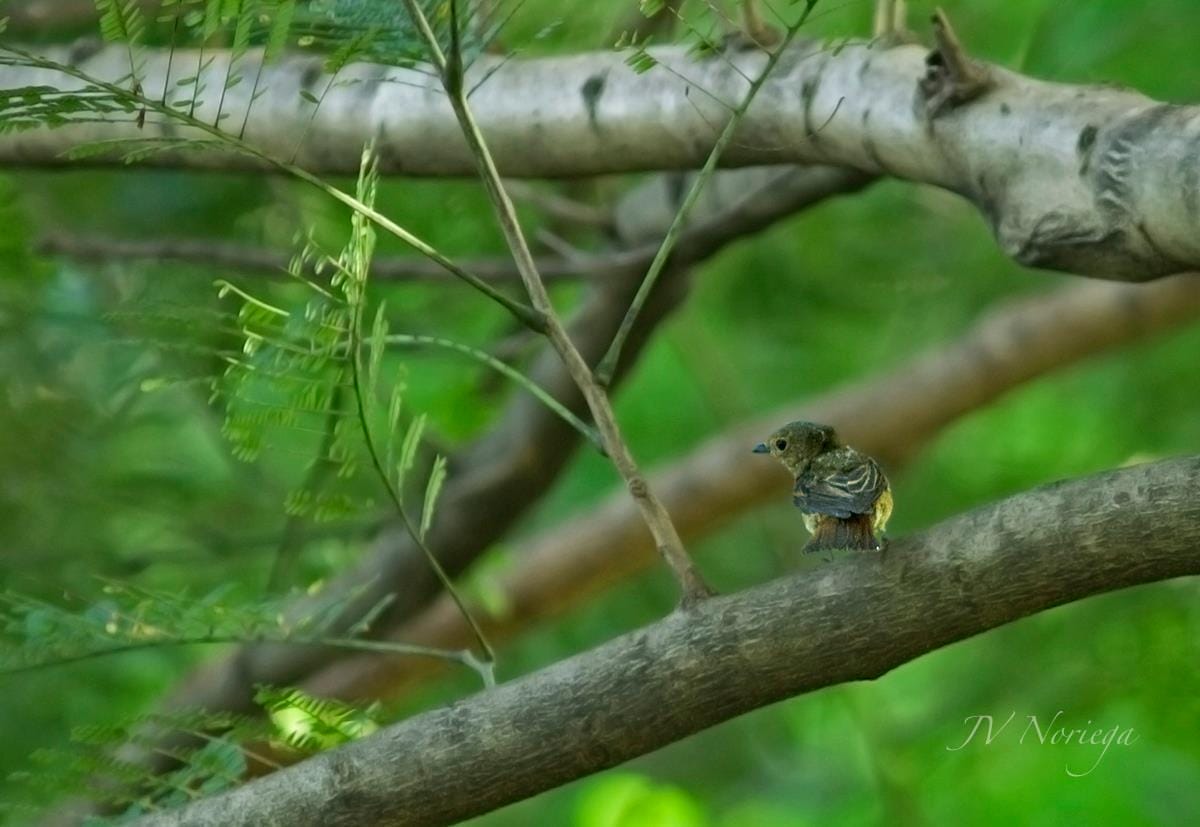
361	250
355	644
408	340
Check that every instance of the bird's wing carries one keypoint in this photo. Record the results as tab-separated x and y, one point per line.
840	484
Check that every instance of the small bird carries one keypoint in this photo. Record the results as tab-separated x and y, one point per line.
844	496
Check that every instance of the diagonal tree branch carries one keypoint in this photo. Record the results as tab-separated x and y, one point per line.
234	255
855	620
496	479
1089	179
450	69
890	416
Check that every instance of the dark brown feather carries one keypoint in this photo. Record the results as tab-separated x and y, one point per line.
852	532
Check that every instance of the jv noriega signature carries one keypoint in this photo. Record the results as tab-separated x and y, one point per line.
1049	733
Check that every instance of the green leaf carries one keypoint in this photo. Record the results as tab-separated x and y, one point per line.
122	21
433	490
408	451
308	723
212	18
641	61
281	26
246	13
394	407
378	346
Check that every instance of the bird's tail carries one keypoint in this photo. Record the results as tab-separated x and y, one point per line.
851	533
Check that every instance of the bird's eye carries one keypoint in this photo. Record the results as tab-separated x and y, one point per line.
781	445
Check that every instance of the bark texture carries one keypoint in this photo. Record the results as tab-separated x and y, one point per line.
1096	180
891	417
854	620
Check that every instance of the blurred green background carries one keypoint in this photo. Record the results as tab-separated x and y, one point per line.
98	479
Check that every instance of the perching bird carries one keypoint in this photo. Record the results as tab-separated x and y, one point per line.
844	496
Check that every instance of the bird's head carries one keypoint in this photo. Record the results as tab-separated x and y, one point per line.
797	443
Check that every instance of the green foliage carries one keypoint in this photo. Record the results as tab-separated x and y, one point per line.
33	107
639	60
207	765
308	724
37	634
208	751
122	21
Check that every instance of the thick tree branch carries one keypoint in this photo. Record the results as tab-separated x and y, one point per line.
890	416
855	620
1090	179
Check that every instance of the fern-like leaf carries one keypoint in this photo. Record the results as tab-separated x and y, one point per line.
122	21
308	724
280	29
408	449
433	489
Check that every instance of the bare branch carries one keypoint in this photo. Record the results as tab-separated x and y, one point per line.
232	255
854	620
561	208
1077	178
608	364
657	520
891	417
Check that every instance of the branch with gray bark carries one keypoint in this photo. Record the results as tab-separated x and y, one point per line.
1088	179
891	417
855	619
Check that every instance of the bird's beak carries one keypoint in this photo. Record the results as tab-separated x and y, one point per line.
761	448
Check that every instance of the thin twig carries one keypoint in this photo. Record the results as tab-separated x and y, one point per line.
380	646
608	365
560	207
356	371
512	373
656	517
